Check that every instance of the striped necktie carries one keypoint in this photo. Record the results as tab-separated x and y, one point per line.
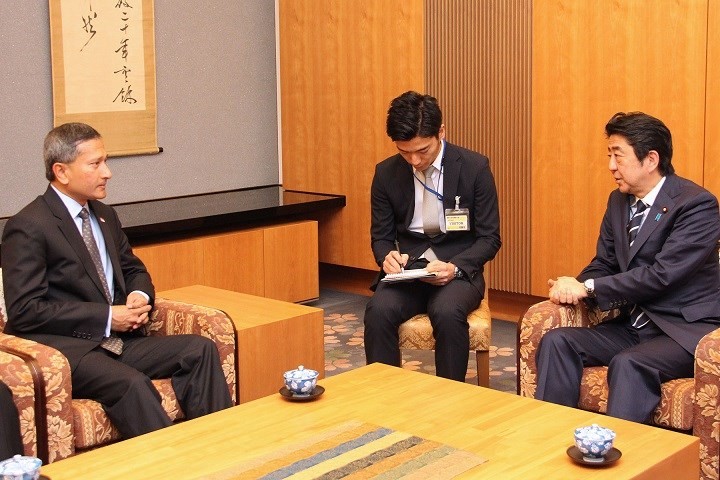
633	225
637	316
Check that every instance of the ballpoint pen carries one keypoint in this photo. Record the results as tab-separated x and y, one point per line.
397	247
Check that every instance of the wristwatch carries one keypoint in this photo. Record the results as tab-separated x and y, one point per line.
590	287
459	273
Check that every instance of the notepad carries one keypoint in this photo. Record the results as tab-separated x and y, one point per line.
408	275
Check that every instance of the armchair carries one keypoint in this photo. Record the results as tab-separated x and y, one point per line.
53	424
687	404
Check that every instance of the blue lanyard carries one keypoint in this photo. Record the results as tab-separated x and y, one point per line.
434	192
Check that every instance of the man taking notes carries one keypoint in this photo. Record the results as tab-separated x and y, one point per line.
439	203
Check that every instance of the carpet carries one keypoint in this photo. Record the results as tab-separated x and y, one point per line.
344	348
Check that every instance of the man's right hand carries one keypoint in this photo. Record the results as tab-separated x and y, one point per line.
126	319
394	262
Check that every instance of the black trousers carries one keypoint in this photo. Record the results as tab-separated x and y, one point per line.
638	361
10	440
122	384
447	306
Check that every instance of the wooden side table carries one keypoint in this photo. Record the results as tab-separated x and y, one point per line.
272	336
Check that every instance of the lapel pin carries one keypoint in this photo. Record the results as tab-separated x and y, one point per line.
657	217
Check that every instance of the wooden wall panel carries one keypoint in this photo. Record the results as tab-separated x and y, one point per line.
712	103
341	62
591	60
478	66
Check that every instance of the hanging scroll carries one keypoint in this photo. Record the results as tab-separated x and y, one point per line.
103	69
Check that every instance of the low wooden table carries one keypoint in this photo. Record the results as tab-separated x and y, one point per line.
520	437
272	336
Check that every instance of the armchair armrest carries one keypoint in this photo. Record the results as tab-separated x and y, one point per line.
538	320
706	410
39	377
170	317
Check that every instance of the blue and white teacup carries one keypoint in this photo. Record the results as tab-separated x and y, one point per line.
594	442
301	381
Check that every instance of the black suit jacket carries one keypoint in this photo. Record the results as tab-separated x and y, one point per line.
53	292
672	269
465	173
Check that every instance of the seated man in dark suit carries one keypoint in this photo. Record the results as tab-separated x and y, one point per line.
10	441
657	260
412	193
72	282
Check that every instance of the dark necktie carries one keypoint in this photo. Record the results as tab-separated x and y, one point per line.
112	343
638	319
633	225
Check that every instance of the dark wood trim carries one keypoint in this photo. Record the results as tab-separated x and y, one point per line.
40	405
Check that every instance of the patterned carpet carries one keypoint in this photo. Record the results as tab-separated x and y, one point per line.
344	343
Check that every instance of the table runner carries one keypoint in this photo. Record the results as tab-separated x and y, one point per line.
354	451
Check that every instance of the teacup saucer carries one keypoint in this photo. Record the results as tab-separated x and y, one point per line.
611	457
317	391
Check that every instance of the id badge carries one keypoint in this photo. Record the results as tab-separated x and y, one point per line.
457	219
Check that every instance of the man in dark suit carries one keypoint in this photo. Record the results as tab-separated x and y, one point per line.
657	261
72	282
437	204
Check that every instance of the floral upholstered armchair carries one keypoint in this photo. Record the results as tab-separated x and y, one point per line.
686	404
53	425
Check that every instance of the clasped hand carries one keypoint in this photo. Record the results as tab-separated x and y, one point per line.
566	290
131	316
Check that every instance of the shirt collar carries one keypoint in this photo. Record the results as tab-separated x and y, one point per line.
73	207
649	199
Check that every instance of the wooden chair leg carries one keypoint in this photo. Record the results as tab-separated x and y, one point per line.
483	367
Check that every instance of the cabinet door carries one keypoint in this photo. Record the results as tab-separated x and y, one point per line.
234	261
173	264
291	262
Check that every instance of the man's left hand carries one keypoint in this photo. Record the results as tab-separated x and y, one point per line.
135	304
566	290
445	273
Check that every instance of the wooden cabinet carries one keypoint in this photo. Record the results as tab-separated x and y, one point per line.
260	323
278	261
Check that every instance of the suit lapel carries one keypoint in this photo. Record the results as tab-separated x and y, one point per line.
621	215
69	230
406	185
451	175
663	202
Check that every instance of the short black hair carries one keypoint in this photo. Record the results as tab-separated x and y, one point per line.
644	133
413	115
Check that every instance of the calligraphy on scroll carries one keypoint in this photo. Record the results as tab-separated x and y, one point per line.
103	70
103	55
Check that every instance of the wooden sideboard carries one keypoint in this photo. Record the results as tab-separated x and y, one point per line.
278	261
